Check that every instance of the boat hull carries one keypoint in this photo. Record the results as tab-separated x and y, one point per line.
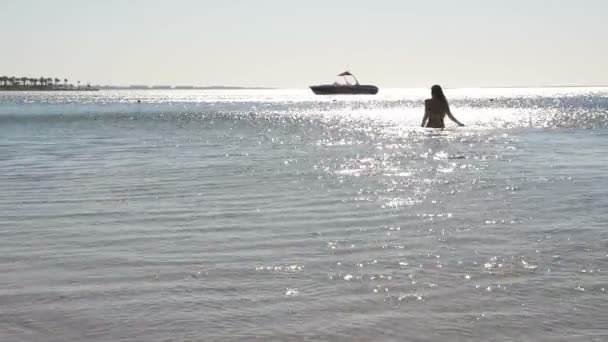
331	89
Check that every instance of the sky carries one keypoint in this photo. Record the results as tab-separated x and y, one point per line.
291	43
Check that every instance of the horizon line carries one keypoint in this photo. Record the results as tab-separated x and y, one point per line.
237	87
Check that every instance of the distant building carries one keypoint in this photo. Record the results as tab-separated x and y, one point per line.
137	86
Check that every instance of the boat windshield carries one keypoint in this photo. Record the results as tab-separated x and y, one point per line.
346	78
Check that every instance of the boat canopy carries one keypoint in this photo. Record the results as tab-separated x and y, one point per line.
347	73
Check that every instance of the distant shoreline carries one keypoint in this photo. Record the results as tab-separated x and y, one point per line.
14	83
48	89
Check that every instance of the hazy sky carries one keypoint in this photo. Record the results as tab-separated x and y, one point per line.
291	43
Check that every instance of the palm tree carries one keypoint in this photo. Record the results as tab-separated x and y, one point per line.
57	81
42	81
65	81
49	81
33	81
4	80
78	84
24	80
12	79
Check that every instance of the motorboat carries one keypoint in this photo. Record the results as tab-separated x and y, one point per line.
346	89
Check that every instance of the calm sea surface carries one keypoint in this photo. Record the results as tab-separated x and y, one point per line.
277	215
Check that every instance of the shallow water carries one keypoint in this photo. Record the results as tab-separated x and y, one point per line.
278	215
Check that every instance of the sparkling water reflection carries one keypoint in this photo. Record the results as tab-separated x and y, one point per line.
275	214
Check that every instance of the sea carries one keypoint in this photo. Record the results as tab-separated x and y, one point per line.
278	215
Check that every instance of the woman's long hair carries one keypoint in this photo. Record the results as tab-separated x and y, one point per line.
437	94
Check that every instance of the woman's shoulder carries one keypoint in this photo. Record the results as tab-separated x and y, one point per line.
428	102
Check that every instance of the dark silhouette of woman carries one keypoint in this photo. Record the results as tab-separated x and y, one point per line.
436	108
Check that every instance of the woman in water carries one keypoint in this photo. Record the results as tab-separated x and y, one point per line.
436	108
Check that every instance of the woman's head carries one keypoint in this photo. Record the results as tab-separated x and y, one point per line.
437	92
437	95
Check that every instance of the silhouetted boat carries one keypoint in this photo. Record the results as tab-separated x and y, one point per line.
348	89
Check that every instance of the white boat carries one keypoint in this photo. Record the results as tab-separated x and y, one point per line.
347	89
